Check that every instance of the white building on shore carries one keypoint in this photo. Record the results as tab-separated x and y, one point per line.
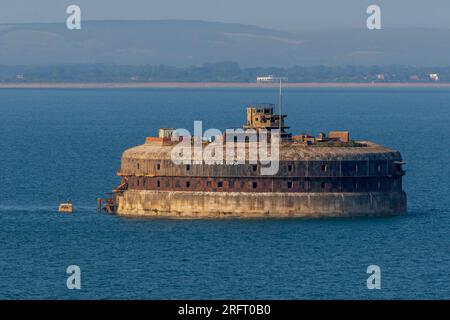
270	78
434	77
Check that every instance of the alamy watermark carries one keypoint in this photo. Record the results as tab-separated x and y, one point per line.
374	20
236	146
74	279
73	22
374	280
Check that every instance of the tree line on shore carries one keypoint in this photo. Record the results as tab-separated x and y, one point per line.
218	72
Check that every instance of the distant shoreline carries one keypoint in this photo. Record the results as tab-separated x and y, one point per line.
143	85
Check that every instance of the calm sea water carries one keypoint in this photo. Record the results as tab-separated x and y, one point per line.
66	144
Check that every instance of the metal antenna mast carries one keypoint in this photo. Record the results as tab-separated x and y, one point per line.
280	102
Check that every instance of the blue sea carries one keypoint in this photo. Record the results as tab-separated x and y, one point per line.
66	144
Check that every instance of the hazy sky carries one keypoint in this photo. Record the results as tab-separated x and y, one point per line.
280	14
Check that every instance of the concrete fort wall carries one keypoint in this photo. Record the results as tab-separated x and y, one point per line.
188	204
311	182
312	168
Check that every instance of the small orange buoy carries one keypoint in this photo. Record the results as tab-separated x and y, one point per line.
65	207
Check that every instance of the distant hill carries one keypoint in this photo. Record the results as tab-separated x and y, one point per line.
186	43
